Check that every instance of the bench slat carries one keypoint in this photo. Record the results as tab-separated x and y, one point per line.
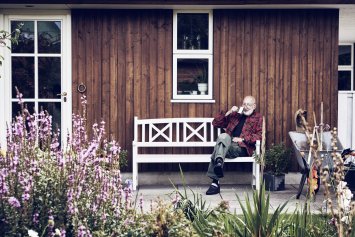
184	158
172	120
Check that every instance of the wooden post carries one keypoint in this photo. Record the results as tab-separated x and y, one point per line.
321	127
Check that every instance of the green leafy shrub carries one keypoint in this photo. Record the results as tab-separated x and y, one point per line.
123	158
277	159
163	220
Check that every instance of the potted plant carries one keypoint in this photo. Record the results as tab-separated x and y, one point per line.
277	160
202	81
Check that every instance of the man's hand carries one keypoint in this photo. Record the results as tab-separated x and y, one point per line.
233	109
238	139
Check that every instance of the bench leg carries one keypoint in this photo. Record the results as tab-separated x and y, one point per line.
257	176
134	166
135	175
253	181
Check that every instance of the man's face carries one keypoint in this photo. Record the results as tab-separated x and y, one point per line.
249	106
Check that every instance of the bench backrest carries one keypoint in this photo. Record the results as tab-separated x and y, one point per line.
175	132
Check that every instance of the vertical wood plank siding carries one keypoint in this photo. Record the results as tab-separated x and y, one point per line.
287	59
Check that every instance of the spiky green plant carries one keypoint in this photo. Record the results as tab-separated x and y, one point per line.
257	221
183	202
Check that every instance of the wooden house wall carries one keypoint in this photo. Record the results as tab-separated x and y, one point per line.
287	59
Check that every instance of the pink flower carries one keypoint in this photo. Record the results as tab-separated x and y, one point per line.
14	202
35	218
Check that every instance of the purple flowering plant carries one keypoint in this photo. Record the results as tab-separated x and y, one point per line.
49	186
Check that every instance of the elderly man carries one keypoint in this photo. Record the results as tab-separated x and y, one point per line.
242	129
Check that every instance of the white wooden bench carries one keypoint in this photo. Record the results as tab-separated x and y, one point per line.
179	132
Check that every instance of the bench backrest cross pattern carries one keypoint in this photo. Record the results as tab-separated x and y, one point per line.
172	132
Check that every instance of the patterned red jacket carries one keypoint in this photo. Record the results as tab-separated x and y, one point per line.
251	132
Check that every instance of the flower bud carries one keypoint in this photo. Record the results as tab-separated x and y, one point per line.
51	222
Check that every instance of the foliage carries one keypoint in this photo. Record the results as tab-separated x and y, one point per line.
12	37
48	188
303	223
73	187
202	76
205	221
343	208
123	158
183	202
277	159
256	219
162	220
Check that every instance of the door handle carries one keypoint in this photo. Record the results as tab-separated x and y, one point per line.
62	94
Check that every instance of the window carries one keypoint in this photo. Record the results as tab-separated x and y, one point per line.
36	67
346	68
192	56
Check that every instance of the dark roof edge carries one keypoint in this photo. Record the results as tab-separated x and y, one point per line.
181	2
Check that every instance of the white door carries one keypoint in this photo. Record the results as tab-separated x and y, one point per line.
346	119
40	67
346	95
346	85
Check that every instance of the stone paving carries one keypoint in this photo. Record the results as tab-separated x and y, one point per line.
229	192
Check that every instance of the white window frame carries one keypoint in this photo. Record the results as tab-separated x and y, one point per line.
194	98
348	67
66	67
194	54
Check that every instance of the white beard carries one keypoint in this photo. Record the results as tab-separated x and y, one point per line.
248	113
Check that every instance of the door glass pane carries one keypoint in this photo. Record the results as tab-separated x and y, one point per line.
344	55
192	31
49	36
16	108
49	70
26	38
53	108
23	76
344	80
190	73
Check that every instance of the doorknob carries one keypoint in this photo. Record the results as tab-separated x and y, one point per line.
62	94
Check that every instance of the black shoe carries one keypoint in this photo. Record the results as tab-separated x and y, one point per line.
218	170
213	189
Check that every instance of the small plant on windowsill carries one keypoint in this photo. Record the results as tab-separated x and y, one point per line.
202	81
277	160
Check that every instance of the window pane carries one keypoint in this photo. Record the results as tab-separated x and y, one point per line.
192	30
49	77
49	36
344	80
23	76
53	108
344	55
190	73
26	38
16	108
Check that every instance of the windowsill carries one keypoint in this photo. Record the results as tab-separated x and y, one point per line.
346	92
192	101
